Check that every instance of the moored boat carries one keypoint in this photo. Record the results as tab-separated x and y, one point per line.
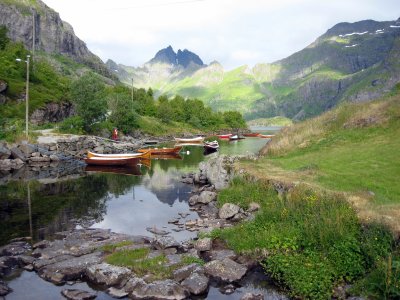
266	136
251	134
155	151
198	139
224	136
214	145
146	154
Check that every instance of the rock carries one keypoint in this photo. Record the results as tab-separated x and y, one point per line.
228	210
15	248
166	242
227	289
184	272
252	296
41	245
25	259
116	293
193	200
39	159
73	294
5	153
54	157
52	112
196	283
157	231
4	288
162	290
221	254
27	149
253	206
17	153
3	85
225	270
107	274
206	197
7	263
203	244
69	269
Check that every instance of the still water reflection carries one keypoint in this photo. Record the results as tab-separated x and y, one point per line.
82	197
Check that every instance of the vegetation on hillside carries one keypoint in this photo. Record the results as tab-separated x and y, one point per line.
99	105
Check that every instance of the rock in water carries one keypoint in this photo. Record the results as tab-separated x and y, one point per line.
72	294
4	288
107	274
196	283
225	270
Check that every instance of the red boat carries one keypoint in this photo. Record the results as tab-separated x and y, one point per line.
251	134
224	136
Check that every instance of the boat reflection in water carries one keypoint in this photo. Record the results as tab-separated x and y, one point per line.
133	168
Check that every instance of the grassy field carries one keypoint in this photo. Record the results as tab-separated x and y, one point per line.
352	149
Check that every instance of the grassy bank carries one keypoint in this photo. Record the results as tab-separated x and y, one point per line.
339	222
311	242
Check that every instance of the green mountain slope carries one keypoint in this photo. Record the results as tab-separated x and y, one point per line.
351	61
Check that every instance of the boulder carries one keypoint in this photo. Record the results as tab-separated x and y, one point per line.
17	153
7	263
4	152
253	206
194	200
107	274
184	272
252	296
206	197
116	293
69	269
225	270
162	290
73	294
27	149
4	288
228	210
15	248
196	283
166	242
203	244
221	254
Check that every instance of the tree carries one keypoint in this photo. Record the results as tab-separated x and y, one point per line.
88	94
234	120
123	112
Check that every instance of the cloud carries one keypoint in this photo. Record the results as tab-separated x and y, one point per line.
234	32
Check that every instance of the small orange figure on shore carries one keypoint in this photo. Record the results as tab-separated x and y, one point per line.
115	134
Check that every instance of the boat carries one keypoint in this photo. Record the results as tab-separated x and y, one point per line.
211	145
111	161
235	137
251	134
198	139
146	154
188	144
224	136
154	151
266	136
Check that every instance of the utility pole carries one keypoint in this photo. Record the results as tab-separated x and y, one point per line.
27	98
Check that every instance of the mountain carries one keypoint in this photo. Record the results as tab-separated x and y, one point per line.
31	21
350	62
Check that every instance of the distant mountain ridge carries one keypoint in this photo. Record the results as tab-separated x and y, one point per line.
350	62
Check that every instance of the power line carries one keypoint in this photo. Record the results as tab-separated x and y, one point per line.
159	4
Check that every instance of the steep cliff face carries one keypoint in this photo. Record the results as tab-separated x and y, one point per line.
34	23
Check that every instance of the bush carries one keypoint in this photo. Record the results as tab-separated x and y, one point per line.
72	125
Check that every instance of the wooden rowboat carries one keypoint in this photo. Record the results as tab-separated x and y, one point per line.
266	136
251	134
211	145
146	154
224	136
111	161
155	151
198	139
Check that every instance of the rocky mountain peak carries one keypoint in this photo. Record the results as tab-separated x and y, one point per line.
182	58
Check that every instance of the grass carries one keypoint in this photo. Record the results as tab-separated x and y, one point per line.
306	240
110	248
141	264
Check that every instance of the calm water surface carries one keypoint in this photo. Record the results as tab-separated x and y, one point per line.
122	203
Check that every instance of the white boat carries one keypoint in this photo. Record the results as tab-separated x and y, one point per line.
214	145
119	155
198	139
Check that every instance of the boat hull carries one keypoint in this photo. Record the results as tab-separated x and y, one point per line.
146	154
160	151
192	140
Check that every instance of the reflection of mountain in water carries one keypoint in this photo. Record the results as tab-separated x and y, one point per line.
166	185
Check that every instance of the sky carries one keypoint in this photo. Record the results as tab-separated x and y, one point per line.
232	32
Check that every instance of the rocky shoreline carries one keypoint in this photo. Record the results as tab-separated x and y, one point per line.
81	254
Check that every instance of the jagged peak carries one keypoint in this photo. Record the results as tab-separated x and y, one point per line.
184	58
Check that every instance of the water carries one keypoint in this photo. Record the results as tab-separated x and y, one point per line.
120	202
